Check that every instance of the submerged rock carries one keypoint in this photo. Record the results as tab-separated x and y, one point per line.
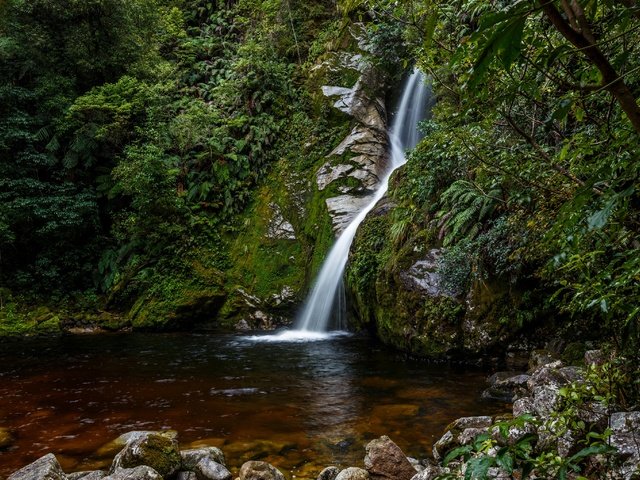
255	470
6	438
386	461
45	468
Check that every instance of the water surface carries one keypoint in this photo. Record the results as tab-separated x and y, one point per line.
298	404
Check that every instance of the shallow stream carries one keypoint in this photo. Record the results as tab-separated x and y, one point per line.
298	405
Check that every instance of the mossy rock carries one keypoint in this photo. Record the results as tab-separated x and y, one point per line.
156	451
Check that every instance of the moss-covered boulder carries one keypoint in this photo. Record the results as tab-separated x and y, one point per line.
153	450
399	291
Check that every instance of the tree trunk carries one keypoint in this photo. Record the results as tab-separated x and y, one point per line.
611	81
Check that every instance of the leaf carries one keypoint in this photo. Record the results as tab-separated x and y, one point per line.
477	468
463	451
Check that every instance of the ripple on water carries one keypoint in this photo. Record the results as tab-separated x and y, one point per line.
300	336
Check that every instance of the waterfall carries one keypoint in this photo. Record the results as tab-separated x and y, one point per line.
327	296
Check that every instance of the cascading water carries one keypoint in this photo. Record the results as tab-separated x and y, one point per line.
327	297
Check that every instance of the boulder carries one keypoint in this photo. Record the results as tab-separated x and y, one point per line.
191	457
255	470
539	358
625	434
505	386
157	451
385	460
114	446
329	473
141	472
430	472
353	473
423	275
208	469
45	468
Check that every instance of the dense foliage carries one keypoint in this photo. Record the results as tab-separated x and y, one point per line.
529	169
131	133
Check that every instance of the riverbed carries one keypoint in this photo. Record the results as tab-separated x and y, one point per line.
297	404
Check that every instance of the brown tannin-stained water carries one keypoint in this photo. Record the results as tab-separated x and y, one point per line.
298	405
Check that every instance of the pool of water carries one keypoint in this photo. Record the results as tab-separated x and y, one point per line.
298	403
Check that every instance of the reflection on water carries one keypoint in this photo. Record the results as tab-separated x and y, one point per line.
298	404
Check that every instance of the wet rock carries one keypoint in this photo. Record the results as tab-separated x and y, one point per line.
353	473
545	399
329	473
243	325
481	421
6	438
93	475
141	472
385	460
443	445
157	451
209	469
625	434
255	470
45	468
192	456
343	210
113	447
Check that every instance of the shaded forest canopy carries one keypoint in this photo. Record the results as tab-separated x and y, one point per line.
135	134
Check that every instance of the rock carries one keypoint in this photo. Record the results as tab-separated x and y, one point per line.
540	358
329	473
191	457
505	386
6	438
45	468
423	275
545	399
93	475
482	421
153	450
255	470
353	473
279	228
209	469
469	434
141	472
186	476
344	208
443	445
523	406
625	434
114	446
385	460
594	357
242	325
430	472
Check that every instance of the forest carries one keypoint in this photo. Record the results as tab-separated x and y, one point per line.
162	170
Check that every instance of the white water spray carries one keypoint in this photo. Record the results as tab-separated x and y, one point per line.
327	296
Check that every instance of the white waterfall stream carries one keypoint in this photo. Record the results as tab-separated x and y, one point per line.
326	300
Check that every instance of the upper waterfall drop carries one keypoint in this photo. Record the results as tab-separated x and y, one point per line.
327	297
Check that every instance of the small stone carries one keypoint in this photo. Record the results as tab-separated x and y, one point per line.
353	473
329	473
45	468
192	456
522	406
255	470
186	476
385	460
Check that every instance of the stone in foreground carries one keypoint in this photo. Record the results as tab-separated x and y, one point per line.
156	451
45	468
255	470
386	461
353	473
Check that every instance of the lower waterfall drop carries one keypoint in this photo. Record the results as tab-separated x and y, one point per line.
327	296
